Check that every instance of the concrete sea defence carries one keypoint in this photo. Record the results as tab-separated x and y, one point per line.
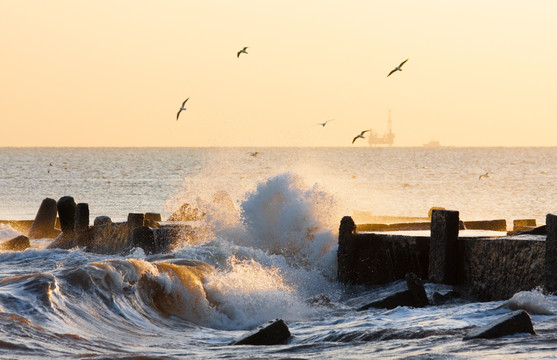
72	229
482	267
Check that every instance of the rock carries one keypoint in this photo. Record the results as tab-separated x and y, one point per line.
19	243
417	290
440	299
403	298
102	220
66	211
43	226
512	323
415	296
274	332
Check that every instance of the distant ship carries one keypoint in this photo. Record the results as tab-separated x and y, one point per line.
386	139
432	143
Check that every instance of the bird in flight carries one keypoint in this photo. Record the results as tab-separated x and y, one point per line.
483	175
324	123
243	51
398	68
254	153
183	107
360	135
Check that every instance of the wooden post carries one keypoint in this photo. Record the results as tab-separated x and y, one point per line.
443	246
345	252
550	274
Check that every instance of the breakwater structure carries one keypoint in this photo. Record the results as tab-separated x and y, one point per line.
68	224
485	267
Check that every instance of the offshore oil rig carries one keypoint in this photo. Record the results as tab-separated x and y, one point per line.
387	138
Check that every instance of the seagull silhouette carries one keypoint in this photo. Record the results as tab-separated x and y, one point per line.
324	123
360	135
398	68
183	107
483	175
243	51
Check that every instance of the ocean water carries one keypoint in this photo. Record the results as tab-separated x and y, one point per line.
273	255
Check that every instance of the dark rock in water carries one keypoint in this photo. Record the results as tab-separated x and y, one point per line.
66	211
274	332
415	296
102	220
512	323
19	243
43	226
440	299
417	290
403	298
81	218
144	238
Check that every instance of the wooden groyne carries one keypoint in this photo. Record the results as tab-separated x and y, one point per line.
484	267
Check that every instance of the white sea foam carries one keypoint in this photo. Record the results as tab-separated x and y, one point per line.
275	251
534	301
248	294
6	232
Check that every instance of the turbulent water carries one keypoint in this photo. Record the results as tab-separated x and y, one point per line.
272	255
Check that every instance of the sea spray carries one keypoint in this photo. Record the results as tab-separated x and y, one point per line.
282	217
6	232
269	256
534	301
248	294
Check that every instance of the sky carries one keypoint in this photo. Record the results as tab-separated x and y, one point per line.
114	73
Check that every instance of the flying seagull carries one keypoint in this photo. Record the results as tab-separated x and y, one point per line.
398	68
360	135
243	51
183	107
483	175
324	123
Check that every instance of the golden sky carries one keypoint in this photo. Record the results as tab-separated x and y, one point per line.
114	72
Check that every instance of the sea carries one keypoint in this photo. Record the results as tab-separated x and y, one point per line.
270	256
